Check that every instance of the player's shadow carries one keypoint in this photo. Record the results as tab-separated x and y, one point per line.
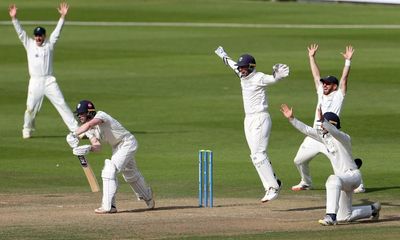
368	190
302	209
48	136
157	132
158	209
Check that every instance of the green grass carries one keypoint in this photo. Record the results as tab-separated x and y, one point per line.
166	85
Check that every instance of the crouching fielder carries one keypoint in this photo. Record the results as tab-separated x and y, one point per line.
346	177
99	126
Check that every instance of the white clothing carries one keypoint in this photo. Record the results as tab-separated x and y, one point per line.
346	177
257	122
42	82
124	147
310	148
332	102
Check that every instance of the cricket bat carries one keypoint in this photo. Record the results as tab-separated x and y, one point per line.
94	185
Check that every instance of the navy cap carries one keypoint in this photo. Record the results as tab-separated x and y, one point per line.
39	31
333	119
84	106
246	60
330	79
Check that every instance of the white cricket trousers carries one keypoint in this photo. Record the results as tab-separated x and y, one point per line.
339	196
123	160
309	149
257	128
37	89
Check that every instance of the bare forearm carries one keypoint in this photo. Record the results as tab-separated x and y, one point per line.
315	71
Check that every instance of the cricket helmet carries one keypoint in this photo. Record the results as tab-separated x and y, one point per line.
333	119
39	31
85	106
246	60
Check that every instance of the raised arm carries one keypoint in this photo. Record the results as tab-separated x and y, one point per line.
12	10
226	59
312	50
348	54
63	9
303	128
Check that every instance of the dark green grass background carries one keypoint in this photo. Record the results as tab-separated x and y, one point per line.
167	86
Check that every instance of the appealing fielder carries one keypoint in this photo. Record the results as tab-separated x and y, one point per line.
257	122
346	177
99	126
331	95
40	63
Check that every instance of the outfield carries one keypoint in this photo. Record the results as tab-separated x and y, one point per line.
165	84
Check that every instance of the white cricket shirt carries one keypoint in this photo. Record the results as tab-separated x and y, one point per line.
40	58
332	102
110	131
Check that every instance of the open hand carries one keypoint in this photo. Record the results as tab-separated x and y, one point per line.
286	111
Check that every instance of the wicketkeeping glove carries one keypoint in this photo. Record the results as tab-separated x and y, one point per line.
280	71
221	52
72	140
81	150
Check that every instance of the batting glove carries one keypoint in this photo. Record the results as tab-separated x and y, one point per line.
81	150
72	140
280	71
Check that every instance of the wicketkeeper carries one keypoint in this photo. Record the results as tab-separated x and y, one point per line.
257	122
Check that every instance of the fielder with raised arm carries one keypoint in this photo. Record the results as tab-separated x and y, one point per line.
331	95
99	126
257	122
40	63
346	177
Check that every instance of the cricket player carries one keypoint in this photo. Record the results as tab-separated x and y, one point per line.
101	127
346	177
42	83
257	122
331	95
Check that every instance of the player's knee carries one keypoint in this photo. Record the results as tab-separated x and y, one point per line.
131	175
259	158
298	160
333	182
109	170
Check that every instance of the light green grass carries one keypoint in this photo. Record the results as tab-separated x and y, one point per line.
166	85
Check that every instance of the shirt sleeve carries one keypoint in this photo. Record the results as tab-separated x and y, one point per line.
232	64
267	80
307	130
55	35
102	116
336	133
20	32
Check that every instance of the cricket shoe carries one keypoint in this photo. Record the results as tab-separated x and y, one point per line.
376	208
301	186
359	189
26	133
272	193
150	203
327	221
101	210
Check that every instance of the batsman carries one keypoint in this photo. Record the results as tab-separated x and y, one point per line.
101	127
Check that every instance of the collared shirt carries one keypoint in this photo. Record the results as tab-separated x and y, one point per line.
40	58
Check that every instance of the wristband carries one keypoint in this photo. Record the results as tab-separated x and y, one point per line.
347	63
